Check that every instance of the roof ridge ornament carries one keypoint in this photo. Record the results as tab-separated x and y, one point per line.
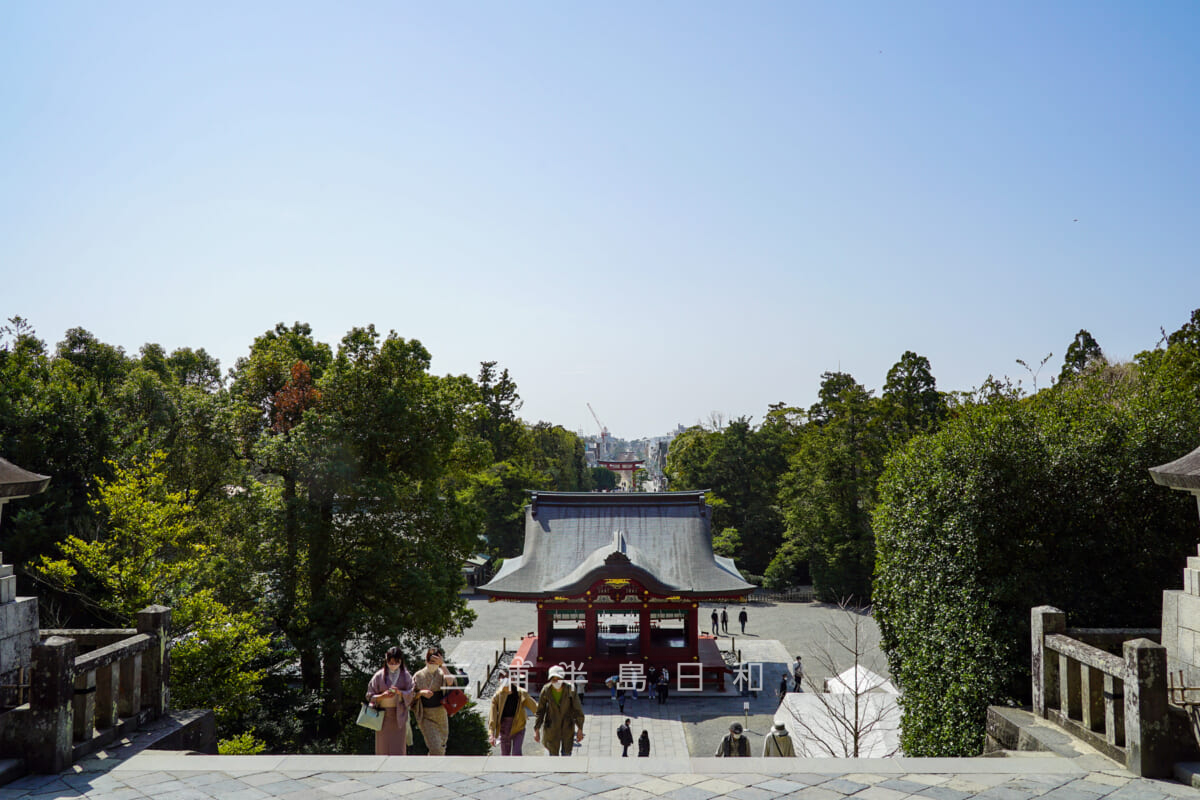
620	549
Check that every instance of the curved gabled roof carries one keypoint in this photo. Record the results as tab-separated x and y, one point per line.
1182	473
17	482
662	540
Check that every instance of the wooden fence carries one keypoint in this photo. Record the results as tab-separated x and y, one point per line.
795	594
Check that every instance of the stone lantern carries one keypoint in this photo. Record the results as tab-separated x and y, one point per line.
18	615
1181	609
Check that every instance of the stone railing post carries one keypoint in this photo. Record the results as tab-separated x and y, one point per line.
1044	620
1149	751
156	666
51	697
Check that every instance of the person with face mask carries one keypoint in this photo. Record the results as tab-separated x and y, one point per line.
391	689
506	724
734	744
432	718
559	715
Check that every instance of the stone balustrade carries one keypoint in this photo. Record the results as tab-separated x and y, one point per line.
80	702
1117	704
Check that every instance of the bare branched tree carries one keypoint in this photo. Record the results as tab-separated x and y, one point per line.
1034	373
852	720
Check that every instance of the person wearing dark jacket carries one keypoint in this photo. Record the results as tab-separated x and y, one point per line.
625	737
644	744
734	744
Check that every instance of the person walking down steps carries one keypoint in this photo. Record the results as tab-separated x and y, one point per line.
625	737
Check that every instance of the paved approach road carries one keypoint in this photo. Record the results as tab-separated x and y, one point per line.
810	630
825	636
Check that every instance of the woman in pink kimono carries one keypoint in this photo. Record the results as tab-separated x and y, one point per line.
391	689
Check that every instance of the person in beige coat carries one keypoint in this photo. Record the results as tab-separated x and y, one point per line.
559	715
431	716
778	743
506	723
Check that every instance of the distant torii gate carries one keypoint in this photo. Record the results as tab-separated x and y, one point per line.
625	470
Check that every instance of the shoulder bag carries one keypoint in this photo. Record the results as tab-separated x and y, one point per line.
370	717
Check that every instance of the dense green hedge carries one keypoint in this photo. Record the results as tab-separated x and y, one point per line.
1018	502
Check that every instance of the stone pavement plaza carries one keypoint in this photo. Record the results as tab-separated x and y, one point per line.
683	734
172	776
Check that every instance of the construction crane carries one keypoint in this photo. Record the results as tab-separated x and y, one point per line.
603	450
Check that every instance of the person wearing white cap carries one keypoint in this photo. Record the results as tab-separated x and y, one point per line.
559	722
778	743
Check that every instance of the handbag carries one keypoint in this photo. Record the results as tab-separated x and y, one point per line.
370	717
455	701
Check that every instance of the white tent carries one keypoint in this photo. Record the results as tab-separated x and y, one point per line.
834	725
858	680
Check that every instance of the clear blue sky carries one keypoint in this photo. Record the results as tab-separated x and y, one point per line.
666	209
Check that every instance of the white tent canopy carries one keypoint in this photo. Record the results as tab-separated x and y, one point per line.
857	680
826	725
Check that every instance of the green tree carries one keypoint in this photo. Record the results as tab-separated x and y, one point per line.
54	419
559	454
829	491
1019	502
912	403
216	658
147	552
367	545
497	416
1081	354
601	479
500	493
743	470
151	551
688	458
740	465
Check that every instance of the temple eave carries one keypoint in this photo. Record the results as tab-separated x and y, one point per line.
1182	473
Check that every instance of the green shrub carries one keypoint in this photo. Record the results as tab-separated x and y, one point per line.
468	735
1020	502
245	744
